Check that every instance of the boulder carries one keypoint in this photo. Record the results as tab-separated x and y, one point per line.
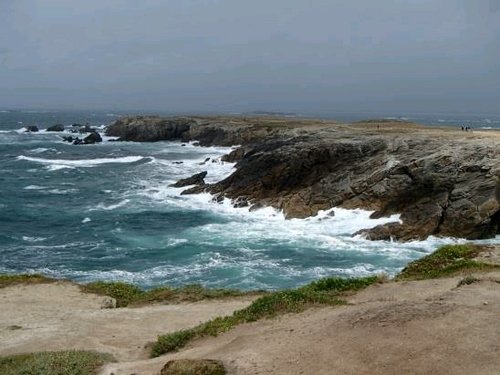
31	129
196	179
93	137
56	128
193	367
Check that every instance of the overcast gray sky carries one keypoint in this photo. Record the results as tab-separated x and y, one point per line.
315	56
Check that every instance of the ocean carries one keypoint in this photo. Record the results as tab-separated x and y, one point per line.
107	212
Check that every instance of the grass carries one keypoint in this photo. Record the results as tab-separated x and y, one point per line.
467	280
54	363
8	280
128	294
448	260
322	292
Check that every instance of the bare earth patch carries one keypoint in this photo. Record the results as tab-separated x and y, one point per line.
59	316
411	327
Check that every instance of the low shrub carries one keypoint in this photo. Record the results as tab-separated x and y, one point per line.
54	363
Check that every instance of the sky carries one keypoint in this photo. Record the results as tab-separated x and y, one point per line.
303	56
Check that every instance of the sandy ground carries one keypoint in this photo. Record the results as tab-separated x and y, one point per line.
419	327
422	327
59	316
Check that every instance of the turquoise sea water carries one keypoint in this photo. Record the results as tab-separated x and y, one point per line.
106	212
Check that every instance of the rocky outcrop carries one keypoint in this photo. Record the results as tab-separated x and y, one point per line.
56	128
150	129
439	184
205	131
93	137
196	179
31	129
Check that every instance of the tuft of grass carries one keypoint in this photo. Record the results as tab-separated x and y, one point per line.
124	293
194	367
8	280
129	294
322	292
448	260
467	280
54	363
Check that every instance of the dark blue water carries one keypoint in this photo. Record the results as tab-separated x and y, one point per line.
106	212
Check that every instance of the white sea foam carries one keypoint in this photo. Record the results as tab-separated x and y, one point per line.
35	187
40	150
62	191
86	220
56	164
102	206
33	239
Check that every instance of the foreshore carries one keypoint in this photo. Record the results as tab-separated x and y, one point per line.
421	323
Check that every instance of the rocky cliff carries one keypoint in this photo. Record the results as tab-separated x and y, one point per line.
443	182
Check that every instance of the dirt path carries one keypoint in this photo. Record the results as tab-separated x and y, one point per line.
421	327
59	316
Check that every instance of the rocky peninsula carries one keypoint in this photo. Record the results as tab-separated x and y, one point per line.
442	181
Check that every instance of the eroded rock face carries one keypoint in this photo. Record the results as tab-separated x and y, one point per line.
149	129
439	184
436	190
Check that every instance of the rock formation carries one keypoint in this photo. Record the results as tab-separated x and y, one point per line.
442	182
56	128
31	129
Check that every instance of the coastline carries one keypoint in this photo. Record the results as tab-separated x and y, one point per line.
442	181
407	319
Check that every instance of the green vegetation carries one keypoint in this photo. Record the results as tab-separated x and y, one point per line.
54	363
194	367
128	294
322	292
448	260
8	280
467	280
123	293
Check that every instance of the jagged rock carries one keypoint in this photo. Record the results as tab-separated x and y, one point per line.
439	184
193	367
56	128
93	137
67	138
31	129
235	155
196	179
194	190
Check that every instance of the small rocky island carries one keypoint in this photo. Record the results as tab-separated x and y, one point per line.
443	181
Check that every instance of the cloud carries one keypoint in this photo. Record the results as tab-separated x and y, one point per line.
229	54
